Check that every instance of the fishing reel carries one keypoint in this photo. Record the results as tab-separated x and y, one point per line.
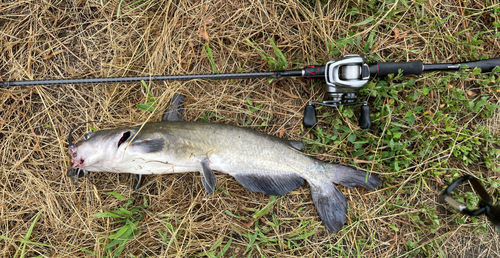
344	77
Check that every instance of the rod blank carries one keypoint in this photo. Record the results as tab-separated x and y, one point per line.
140	78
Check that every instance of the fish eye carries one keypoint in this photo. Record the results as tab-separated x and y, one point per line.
87	136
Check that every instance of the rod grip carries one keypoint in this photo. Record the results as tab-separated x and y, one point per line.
383	69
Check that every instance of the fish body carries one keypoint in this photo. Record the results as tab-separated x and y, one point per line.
260	162
177	147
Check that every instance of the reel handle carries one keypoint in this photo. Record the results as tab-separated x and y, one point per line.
310	119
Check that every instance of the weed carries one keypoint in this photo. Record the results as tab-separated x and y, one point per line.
25	241
207	116
275	64
210	56
254	109
173	229
267	208
212	252
150	100
130	217
267	233
132	6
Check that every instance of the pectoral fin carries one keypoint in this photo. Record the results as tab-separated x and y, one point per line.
269	183
176	112
149	145
207	176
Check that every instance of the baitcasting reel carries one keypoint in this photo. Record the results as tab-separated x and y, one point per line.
344	77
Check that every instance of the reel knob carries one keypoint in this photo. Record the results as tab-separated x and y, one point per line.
310	115
364	120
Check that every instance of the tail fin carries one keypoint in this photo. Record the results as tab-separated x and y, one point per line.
330	203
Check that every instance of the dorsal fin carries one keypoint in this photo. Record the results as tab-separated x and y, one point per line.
176	111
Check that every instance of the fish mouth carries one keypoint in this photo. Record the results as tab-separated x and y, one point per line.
74	157
78	163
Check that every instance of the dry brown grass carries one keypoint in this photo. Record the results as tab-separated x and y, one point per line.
72	39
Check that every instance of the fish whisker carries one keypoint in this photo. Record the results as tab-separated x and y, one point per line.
70	138
76	172
72	173
87	176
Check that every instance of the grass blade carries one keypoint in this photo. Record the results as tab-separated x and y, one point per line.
210	55
266	209
225	248
28	235
25	242
83	249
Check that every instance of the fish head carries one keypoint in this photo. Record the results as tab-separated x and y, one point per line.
97	150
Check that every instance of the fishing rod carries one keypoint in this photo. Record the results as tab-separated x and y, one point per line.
343	77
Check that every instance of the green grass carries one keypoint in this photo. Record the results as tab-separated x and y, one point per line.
210	56
129	218
22	248
257	117
150	101
212	253
130	7
275	63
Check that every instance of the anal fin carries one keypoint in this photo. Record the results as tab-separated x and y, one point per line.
269	183
208	178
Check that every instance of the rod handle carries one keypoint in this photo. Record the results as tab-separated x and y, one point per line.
383	69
